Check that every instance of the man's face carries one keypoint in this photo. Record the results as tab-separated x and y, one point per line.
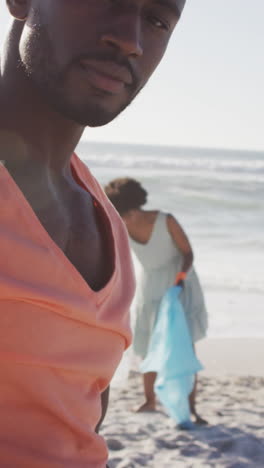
90	58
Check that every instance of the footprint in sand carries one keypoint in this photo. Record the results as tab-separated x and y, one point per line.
114	444
192	450
166	444
224	445
113	463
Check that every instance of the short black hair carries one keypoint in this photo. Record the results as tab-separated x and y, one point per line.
126	194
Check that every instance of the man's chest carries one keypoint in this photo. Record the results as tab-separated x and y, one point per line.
79	229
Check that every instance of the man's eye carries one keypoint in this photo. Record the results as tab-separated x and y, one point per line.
157	22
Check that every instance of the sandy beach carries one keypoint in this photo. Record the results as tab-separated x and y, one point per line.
231	398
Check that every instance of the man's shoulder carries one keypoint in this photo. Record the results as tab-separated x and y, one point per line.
95	187
86	175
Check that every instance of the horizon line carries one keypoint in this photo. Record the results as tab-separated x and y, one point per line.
171	146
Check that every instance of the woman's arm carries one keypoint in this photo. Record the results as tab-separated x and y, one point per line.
181	240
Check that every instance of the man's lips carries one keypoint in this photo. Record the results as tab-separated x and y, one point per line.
106	75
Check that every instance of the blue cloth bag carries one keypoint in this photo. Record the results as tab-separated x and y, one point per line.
171	355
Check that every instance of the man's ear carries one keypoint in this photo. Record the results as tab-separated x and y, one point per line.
18	9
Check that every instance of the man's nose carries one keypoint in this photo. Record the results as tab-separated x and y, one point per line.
125	35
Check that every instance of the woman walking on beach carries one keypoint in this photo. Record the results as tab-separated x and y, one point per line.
163	253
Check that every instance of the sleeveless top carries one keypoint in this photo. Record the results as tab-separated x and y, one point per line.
157	264
60	341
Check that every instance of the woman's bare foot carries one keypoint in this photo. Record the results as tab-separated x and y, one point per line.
147	407
199	420
187	426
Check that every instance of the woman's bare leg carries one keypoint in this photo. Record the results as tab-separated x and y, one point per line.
192	401
150	403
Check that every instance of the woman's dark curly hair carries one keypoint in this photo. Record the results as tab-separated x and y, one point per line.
126	194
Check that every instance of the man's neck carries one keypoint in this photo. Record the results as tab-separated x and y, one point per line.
29	128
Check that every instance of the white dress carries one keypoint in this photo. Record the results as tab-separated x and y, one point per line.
157	264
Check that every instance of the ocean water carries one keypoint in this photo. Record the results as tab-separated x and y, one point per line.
218	197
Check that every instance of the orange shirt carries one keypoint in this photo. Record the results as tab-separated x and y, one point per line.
60	342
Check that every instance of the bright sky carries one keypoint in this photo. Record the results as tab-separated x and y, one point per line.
208	90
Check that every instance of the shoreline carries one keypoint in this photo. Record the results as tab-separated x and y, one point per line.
231	356
234	314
